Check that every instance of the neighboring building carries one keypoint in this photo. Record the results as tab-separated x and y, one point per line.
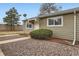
64	24
30	24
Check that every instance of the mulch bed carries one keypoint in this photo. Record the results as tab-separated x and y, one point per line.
32	47
64	41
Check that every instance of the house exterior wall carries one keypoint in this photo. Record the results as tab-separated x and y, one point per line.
25	27
77	27
35	26
64	32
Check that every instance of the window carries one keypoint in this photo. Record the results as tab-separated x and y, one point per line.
29	25
56	21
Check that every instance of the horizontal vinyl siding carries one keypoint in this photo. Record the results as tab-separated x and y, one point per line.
77	27
65	32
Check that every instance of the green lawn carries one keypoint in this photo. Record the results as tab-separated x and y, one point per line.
11	32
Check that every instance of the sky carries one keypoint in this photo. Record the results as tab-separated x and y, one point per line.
31	9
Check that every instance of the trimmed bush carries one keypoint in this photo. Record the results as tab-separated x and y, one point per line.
41	34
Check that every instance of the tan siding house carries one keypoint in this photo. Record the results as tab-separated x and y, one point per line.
64	24
77	27
65	31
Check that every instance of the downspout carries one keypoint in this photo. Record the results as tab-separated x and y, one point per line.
74	41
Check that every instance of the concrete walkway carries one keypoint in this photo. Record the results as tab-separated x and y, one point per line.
11	40
14	40
8	35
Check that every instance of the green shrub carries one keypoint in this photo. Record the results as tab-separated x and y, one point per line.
41	34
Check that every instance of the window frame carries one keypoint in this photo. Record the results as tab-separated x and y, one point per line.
55	18
29	27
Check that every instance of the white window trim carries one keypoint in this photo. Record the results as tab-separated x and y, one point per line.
55	18
27	27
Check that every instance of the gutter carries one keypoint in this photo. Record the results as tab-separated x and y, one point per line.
74	41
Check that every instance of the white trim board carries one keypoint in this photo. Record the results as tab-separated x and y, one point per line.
55	18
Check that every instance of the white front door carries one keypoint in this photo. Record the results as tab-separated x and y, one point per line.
36	26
